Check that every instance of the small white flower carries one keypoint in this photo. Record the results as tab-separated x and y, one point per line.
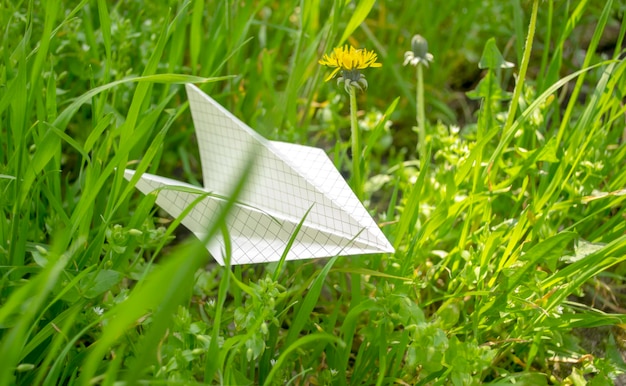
98	311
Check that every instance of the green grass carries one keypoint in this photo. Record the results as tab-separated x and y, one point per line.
510	233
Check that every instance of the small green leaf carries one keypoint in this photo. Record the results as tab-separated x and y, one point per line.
99	282
40	258
492	58
549	152
583	249
547	251
489	88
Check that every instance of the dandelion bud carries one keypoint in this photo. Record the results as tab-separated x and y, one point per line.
419	52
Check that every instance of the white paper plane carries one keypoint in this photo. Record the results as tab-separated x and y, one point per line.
286	181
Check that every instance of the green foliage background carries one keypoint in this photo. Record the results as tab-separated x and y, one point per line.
510	236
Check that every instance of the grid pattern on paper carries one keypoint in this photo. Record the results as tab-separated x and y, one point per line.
175	202
255	236
329	182
286	180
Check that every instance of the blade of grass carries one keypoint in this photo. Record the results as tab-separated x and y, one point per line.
292	239
411	211
597	34
149	296
308	303
317	337
357	17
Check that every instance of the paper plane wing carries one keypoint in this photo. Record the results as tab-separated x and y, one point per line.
286	181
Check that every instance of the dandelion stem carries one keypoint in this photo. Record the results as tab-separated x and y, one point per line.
421	124
357	184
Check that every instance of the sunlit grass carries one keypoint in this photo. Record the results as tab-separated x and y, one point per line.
510	232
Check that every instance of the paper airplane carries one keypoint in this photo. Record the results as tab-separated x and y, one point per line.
286	181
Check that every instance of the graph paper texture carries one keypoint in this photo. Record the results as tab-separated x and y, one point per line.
285	182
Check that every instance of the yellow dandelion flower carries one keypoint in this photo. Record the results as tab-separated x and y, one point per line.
350	61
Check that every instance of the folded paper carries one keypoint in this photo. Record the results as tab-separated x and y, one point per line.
286	181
